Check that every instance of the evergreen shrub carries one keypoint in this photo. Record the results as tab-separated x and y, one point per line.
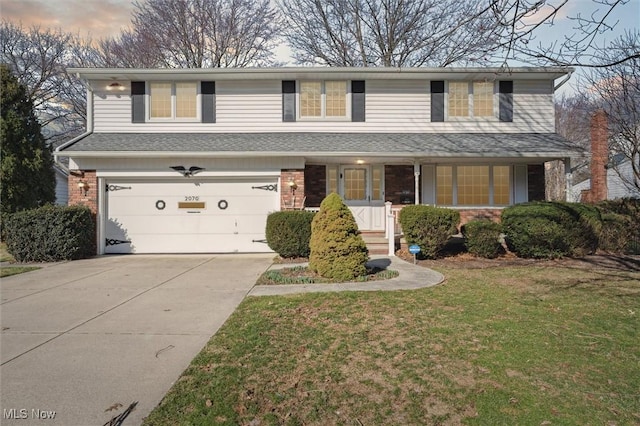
51	233
428	227
482	238
551	229
337	249
288	233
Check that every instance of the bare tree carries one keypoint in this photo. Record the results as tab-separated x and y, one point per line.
521	22
392	33
196	34
436	33
573	114
39	57
616	89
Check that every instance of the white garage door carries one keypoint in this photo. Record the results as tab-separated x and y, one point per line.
189	215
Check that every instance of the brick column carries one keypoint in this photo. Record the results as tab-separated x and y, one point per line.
291	198
87	196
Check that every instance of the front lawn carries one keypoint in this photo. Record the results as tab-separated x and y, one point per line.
547	343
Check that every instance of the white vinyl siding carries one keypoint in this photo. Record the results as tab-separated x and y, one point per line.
392	106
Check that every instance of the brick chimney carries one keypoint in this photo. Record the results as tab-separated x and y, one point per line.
599	158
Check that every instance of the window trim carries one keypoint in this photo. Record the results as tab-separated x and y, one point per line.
470	117
454	185
323	117
173	118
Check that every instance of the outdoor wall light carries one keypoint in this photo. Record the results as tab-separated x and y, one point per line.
84	186
115	86
292	185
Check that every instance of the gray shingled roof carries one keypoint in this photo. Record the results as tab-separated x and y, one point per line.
372	144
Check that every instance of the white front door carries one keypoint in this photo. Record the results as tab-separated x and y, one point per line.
362	188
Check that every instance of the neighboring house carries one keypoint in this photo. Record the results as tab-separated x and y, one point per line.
62	185
193	160
616	186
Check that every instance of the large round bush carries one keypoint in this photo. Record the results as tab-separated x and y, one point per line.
551	229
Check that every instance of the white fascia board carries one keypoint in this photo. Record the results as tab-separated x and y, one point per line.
294	73
173	154
204	174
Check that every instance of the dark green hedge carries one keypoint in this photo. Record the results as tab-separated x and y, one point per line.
482	238
551	229
51	233
428	227
288	233
627	210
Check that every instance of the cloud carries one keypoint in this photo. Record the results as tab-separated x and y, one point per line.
543	13
96	18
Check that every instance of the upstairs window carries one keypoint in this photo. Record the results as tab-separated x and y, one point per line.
173	100
323	99
470	99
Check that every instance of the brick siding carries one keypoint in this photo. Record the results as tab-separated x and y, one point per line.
78	196
292	199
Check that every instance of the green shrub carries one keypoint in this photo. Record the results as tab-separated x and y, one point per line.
428	227
551	229
288	233
629	208
614	233
337	249
51	233
482	238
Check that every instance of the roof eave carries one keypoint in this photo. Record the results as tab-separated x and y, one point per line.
319	72
244	154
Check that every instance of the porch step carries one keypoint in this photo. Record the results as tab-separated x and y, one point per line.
377	243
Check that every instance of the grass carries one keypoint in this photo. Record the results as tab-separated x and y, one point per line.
5	256
507	345
303	275
7	271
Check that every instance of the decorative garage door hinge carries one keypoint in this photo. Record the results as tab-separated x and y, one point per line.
259	241
271	187
117	187
112	242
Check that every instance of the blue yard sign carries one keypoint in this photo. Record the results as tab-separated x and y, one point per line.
414	249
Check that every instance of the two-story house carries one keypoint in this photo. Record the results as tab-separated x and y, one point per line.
193	160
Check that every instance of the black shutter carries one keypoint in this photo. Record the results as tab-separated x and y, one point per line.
357	100
137	101
437	101
506	100
288	100
208	93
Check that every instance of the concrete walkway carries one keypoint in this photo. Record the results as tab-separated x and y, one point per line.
410	277
83	340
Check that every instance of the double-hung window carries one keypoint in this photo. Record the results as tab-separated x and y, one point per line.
323	100
177	100
470	99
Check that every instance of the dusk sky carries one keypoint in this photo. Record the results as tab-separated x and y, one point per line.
101	18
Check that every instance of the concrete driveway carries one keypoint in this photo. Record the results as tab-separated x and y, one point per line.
85	339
